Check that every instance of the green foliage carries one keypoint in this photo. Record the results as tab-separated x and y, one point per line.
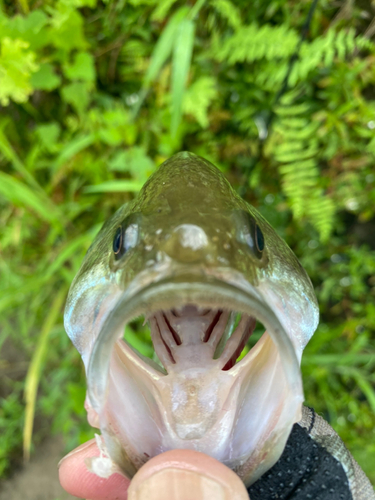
198	98
297	151
252	43
228	11
182	52
11	422
16	67
95	95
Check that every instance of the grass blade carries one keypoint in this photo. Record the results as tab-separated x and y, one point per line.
180	69
114	187
362	383
164	46
19	194
72	148
7	150
162	51
66	252
34	371
25	6
337	359
9	153
196	8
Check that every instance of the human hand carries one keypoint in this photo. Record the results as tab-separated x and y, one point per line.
174	475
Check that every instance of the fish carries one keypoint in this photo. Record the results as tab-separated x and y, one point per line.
205	270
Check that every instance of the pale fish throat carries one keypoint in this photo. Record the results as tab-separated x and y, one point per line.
197	396
191	337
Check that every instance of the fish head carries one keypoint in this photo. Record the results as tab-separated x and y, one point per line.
202	267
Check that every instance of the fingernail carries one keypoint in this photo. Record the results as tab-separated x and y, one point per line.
76	450
178	484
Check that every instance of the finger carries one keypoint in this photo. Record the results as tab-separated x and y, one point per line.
76	479
186	475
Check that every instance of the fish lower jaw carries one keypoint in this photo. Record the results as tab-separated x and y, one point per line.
197	402
193	397
198	395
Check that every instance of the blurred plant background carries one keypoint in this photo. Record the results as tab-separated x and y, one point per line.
95	95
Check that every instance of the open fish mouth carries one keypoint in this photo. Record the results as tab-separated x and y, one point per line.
198	395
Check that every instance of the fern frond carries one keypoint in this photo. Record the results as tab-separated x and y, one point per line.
324	51
251	43
297	150
304	132
198	98
302	153
321	209
299	182
296	109
228	11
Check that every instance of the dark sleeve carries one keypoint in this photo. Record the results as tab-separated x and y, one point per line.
314	465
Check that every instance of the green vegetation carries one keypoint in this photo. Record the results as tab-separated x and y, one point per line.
95	95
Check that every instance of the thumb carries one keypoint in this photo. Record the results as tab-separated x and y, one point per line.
186	475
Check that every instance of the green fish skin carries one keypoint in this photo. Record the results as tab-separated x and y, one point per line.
191	256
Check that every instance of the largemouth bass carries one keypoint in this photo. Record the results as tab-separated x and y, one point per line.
190	256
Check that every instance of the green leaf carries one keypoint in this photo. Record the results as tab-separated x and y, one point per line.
67	29
117	128
83	68
45	78
77	95
180	69
114	187
16	67
32	28
135	161
48	134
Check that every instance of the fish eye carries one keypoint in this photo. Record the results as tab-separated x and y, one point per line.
117	242
126	237
259	239
252	235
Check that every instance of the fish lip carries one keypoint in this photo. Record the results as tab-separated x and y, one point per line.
179	288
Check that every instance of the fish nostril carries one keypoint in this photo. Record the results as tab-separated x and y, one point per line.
187	243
